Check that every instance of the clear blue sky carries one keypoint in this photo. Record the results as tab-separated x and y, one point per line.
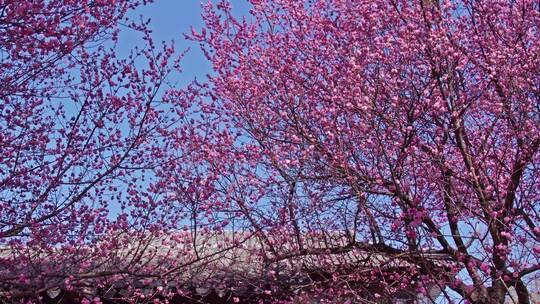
169	20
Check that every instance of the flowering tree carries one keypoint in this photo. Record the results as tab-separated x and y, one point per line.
344	151
405	129
81	131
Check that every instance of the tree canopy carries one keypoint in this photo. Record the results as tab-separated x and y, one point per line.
393	144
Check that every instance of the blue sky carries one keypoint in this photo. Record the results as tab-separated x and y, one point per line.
169	20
